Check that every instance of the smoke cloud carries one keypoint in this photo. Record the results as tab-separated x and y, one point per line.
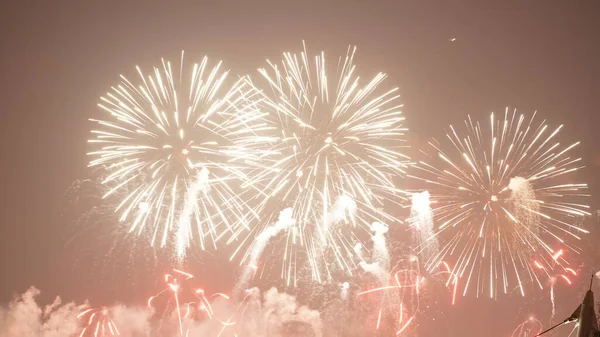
268	314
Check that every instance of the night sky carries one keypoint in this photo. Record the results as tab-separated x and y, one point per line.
59	57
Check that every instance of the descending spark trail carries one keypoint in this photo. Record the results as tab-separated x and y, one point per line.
503	196
176	145
98	322
333	141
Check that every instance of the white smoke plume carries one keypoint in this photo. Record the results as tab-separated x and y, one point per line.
343	210
284	222
272	314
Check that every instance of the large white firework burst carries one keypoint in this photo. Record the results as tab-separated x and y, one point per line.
504	202
176	145
335	151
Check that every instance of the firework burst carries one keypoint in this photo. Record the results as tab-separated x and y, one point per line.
335	148
503	197
175	145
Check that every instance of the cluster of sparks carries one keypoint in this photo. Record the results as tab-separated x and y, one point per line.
502	198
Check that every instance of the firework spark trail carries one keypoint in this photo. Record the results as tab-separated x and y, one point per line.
161	134
98	322
331	138
526	328
284	222
184	225
421	220
565	276
502	196
259	314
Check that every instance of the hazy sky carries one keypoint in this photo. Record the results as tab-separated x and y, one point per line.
59	57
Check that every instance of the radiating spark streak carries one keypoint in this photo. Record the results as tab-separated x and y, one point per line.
501	195
176	148
335	143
